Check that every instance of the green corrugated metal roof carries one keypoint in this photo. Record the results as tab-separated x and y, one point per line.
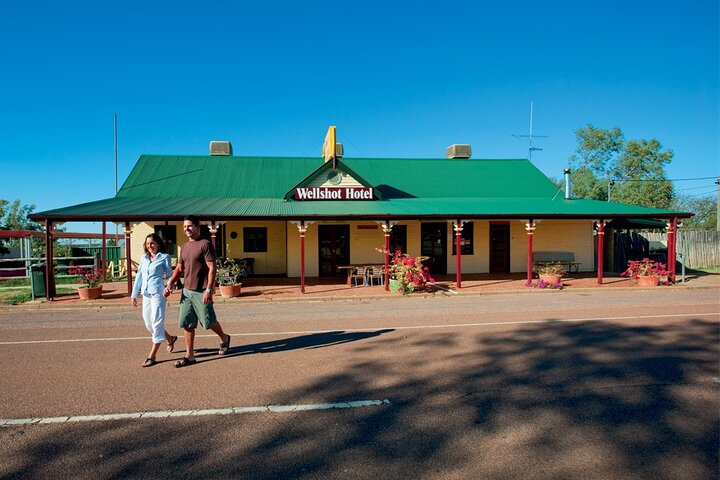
222	187
225	208
216	176
272	177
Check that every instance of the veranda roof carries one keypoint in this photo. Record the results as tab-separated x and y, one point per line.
225	187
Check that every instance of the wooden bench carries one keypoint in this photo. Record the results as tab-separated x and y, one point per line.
565	258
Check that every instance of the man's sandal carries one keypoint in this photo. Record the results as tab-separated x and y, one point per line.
224	346
171	343
185	362
149	362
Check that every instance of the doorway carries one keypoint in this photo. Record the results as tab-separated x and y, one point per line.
499	248
433	238
334	248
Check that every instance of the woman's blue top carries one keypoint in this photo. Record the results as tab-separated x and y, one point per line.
149	278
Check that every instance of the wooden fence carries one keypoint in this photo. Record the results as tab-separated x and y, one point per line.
700	249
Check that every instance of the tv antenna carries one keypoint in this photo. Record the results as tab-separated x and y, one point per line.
530	136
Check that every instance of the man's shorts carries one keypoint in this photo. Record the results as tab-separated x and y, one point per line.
193	309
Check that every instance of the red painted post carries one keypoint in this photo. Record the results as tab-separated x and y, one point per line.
387	230
601	247
49	269
128	259
672	250
103	253
302	257
530	227
458	238
213	234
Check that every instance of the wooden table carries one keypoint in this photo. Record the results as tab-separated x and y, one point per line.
349	269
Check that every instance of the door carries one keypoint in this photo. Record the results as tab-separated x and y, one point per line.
499	248
433	238
334	248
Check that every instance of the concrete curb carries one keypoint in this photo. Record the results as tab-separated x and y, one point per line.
98	305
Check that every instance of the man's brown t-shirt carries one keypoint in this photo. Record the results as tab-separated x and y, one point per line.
193	256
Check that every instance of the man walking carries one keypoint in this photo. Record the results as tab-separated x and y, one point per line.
197	262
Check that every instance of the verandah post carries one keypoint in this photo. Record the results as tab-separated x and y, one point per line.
387	228
530	228
302	230
49	269
601	249
128	259
458	227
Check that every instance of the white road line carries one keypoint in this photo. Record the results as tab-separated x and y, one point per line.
12	422
389	327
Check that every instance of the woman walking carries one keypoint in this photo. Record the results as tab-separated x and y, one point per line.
149	281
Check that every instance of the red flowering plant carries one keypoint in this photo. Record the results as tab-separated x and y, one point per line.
645	268
91	277
409	271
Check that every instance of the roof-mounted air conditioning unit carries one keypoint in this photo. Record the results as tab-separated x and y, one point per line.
458	151
220	147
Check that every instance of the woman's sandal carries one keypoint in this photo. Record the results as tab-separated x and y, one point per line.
224	346
184	362
171	343
149	362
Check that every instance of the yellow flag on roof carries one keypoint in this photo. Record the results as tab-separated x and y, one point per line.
329	145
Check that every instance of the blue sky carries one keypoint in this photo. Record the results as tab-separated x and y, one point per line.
399	79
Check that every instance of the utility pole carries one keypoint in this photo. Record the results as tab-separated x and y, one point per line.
115	141
717	216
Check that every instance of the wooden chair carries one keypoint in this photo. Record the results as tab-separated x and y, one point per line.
359	273
376	272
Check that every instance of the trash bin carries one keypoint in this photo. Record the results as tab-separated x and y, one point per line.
37	280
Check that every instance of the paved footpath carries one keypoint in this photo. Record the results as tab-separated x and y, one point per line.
620	383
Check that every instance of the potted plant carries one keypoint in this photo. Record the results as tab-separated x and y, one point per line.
229	277
550	272
407	274
645	272
92	278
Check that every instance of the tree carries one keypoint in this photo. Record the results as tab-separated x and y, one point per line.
704	208
635	168
14	216
3	204
642	169
597	149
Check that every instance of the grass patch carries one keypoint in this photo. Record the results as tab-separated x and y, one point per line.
715	269
25	282
16	297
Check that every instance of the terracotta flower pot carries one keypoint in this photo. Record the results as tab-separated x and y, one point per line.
550	278
90	293
228	291
648	280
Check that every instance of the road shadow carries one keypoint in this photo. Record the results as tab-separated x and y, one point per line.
310	342
552	400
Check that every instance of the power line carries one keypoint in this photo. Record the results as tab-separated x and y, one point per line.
698	178
663	179
694	188
702	194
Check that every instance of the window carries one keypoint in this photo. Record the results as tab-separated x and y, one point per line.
255	239
168	234
398	238
466	240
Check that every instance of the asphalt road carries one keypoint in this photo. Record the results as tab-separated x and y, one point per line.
608	384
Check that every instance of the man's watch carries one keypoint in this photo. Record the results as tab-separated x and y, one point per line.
209	290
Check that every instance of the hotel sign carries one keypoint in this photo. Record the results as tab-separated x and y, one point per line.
334	193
